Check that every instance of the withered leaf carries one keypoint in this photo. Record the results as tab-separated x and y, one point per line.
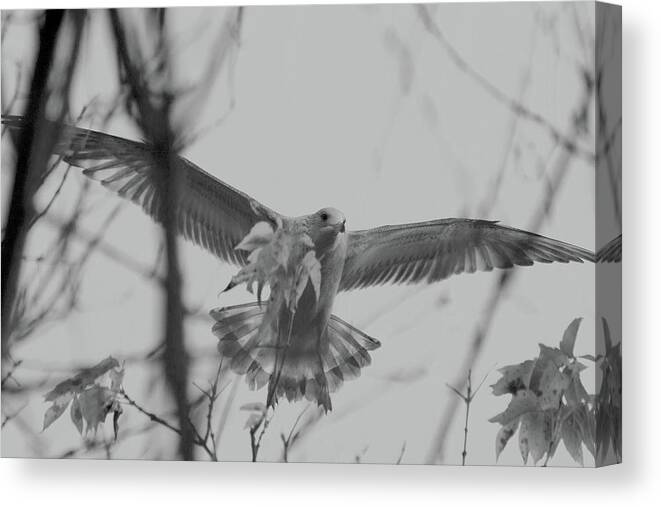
60	404
83	379
572	438
514	378
284	260
550	404
92	398
535	435
522	403
260	235
548	384
504	435
569	337
77	415
95	403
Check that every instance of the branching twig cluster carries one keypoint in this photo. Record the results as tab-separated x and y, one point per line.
206	439
467	399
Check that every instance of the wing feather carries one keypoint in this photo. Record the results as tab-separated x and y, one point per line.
211	213
611	251
434	250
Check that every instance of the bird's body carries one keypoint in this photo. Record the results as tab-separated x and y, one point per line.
302	350
305	352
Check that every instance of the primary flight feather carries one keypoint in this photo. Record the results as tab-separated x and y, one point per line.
301	350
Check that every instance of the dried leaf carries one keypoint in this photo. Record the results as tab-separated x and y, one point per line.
504	435
285	260
58	407
550	404
554	355
547	383
535	435
117	411
83	379
313	269
92	398
608	408
569	337
584	418
116	379
522	403
515	378
524	446
95	403
575	394
607	334
260	235
77	415
571	436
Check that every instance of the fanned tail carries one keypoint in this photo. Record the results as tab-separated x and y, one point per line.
240	341
310	367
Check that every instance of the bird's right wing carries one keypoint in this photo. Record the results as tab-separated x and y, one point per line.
210	213
434	250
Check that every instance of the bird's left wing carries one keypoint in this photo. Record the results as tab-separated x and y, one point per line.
209	212
434	250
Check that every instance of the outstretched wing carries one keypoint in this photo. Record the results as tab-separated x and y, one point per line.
210	213
611	251
432	251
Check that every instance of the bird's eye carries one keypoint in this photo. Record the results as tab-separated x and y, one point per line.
324	216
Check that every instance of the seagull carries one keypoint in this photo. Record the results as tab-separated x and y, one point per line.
321	350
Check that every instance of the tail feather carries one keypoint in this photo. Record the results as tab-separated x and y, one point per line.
310	367
238	332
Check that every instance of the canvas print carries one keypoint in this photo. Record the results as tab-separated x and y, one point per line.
334	234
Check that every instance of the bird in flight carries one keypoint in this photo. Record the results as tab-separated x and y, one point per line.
301	351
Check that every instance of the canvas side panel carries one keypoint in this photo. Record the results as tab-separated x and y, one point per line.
608	234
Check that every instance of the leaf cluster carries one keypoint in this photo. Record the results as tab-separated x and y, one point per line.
283	259
609	400
92	394
549	403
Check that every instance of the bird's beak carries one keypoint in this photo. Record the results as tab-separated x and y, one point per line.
343	226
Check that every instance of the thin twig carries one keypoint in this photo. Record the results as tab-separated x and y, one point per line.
208	440
286	442
256	442
401	454
467	399
10	373
152	417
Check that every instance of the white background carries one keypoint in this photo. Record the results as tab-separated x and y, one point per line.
112	483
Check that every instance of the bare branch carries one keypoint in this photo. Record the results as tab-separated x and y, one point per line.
31	160
153	117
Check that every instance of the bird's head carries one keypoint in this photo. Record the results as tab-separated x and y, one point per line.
325	225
